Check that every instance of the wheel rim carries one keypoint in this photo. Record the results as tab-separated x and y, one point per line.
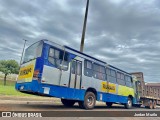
129	103
154	104
151	105
90	100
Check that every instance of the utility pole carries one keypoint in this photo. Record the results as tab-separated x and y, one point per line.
23	51
84	27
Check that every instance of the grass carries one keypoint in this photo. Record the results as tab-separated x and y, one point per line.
9	89
8	83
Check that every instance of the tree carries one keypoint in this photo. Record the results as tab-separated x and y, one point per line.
8	67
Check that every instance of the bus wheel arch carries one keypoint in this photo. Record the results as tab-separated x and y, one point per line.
131	97
92	90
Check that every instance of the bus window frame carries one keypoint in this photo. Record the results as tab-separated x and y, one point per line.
108	70
131	81
85	68
62	60
104	78
41	54
120	79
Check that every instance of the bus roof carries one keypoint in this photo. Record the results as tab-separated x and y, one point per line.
51	43
84	54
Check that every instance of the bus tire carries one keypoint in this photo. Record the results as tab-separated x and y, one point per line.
109	104
89	101
154	104
67	103
150	104
128	105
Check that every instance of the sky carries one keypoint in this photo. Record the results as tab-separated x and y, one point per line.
123	33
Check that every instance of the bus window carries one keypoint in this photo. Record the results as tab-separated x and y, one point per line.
88	68
56	58
51	53
112	76
56	54
99	72
51	60
113	73
120	78
128	81
118	75
33	52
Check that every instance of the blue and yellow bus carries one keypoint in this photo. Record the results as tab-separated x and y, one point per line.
59	71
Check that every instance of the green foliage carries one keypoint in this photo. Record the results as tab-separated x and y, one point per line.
8	67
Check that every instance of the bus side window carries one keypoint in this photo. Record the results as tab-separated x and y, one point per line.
56	58
52	57
99	72
51	52
128	81
120	78
88	68
112	76
56	54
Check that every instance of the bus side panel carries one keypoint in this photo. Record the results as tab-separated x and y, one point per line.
108	97
62	92
32	86
119	94
39	65
125	91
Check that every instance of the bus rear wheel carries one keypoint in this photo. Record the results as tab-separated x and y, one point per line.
109	104
67	103
128	105
89	101
150	104
154	104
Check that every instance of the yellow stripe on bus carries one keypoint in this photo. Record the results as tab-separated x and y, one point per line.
125	91
26	72
108	87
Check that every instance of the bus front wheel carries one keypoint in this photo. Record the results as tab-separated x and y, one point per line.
67	103
89	101
128	105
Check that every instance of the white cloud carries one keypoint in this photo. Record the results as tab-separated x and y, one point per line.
123	33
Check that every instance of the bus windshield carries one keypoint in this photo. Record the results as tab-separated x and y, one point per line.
33	52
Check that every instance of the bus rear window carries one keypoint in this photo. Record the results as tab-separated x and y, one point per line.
33	52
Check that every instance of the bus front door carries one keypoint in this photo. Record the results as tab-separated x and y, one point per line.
75	75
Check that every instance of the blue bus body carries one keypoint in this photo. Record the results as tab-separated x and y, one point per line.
62	72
